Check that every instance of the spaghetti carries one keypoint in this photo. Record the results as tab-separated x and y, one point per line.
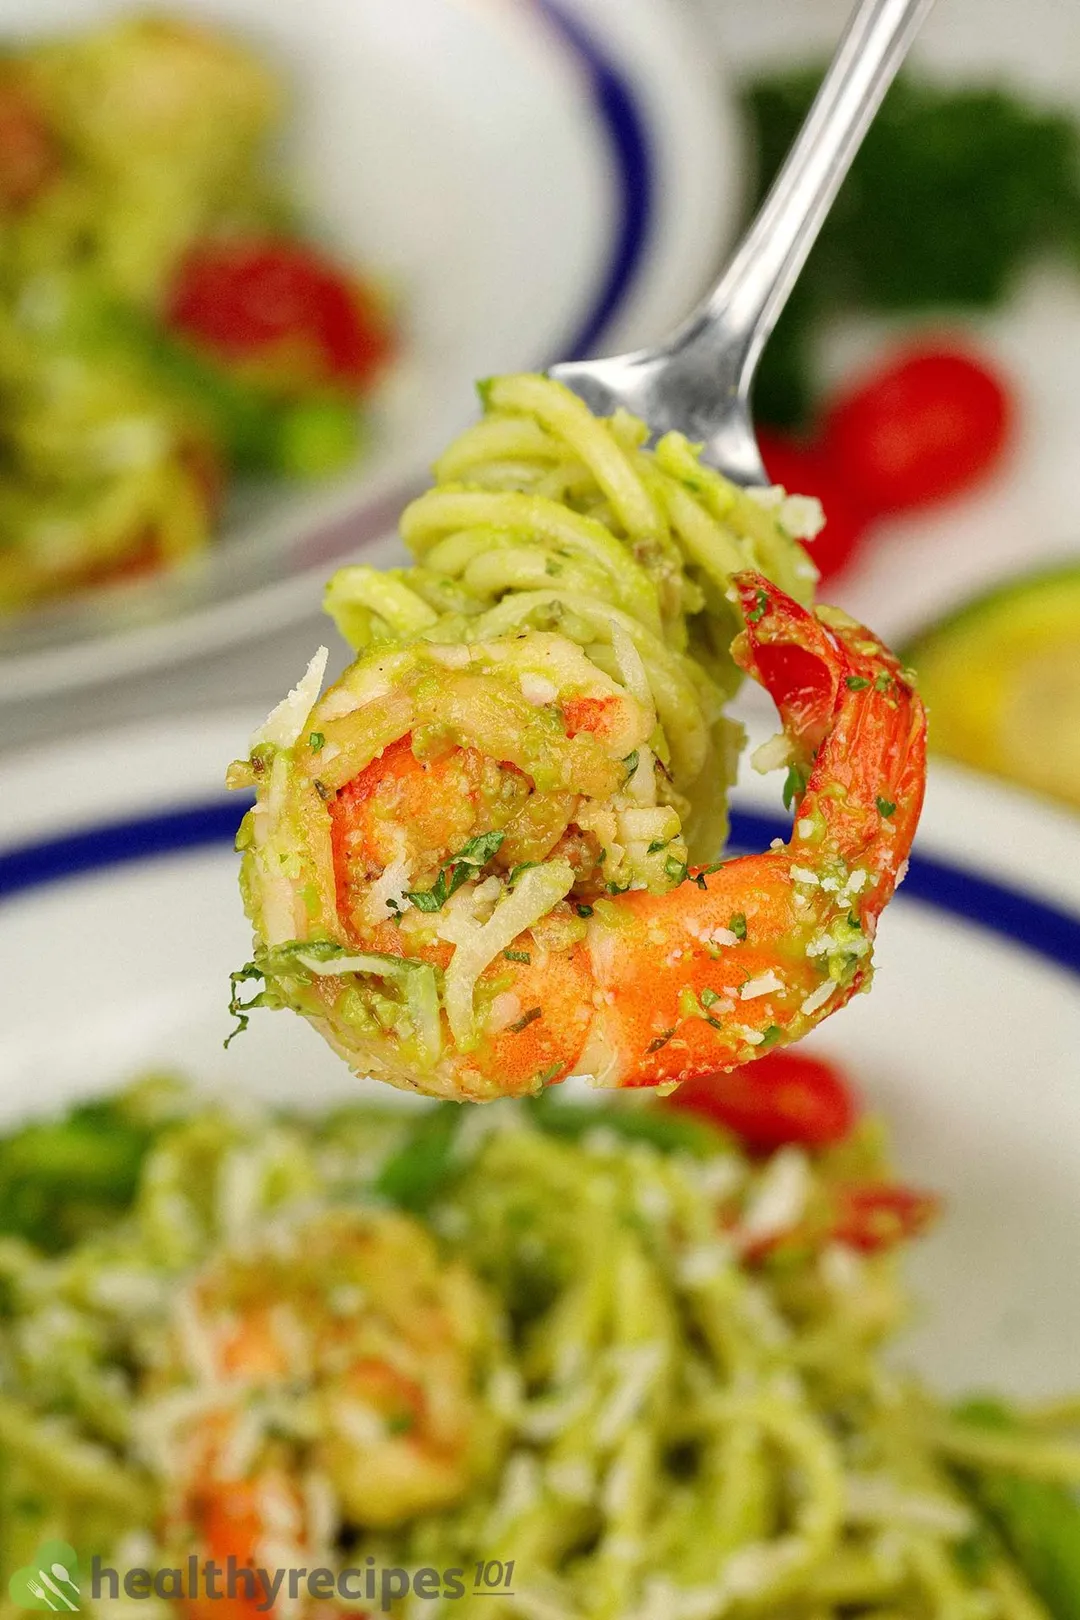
601	1343
480	861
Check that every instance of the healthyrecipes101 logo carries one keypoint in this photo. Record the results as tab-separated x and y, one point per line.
49	1581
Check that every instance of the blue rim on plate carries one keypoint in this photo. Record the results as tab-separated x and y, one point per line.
626	131
1044	929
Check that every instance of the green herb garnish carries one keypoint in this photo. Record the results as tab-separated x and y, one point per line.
760	607
464	865
426	1163
794	784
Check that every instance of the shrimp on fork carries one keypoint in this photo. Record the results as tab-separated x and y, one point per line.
470	871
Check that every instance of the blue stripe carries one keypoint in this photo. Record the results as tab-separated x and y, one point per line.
1043	929
118	843
632	165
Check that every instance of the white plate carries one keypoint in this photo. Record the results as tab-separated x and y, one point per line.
538	178
120	922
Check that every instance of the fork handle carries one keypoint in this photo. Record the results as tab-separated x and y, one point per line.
744	306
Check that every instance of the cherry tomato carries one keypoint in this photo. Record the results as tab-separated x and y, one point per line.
28	156
922	428
879	1215
780	1098
246	300
804	470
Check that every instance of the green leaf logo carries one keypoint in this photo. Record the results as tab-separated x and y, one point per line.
49	1581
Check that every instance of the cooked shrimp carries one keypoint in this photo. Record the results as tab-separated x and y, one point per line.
327	1373
477	864
465	879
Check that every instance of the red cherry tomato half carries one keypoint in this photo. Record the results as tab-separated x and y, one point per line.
922	428
881	1215
780	1098
804	470
243	299
28	155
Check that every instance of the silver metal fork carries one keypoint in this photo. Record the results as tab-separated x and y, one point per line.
699	380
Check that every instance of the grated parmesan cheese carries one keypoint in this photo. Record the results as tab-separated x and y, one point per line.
283	725
766	984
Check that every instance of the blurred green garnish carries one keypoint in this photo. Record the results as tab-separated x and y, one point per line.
952	195
61	1179
1038	1522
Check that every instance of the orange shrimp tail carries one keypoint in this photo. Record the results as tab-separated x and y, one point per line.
738	960
850	711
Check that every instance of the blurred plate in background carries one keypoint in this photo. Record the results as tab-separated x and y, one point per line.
535	178
120	922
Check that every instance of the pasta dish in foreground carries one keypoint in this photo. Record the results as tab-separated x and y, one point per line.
611	1349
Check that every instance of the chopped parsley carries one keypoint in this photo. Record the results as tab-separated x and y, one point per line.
631	763
464	865
709	998
241	1010
317	742
737	925
657	845
760	607
886	807
883	682
516	871
526	1019
794	784
856	683
660	1041
583	910
518	956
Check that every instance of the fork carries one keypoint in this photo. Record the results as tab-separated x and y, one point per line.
39	1592
699	381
